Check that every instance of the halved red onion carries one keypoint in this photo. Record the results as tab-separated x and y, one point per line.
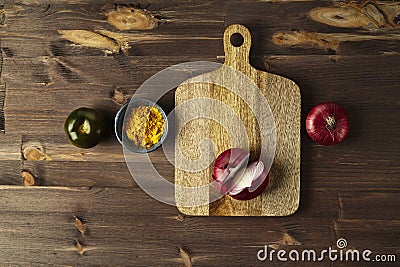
248	188
230	176
228	167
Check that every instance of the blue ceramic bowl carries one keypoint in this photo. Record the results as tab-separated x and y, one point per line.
123	116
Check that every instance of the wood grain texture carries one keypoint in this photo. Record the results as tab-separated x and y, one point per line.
349	191
42	221
2	86
2	97
90	72
193	26
381	205
281	197
176	26
10	159
272	17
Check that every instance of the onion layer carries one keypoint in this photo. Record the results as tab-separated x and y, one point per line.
231	176
228	166
246	189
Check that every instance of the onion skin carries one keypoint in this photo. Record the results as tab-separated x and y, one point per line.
327	123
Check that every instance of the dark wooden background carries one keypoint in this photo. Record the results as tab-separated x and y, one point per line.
348	191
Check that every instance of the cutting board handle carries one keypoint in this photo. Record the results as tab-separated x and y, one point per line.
237	56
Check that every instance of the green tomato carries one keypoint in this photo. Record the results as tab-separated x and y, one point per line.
84	127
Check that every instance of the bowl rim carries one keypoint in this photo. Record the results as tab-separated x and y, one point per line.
119	122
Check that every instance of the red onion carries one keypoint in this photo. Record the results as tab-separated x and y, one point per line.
231	177
228	167
246	190
327	123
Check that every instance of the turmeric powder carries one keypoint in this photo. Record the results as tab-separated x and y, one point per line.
145	126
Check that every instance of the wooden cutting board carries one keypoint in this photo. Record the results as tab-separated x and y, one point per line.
282	195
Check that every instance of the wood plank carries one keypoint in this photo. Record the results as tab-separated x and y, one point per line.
92	15
101	166
78	72
306	71
370	234
140	45
376	236
316	203
312	71
10	172
10	159
79	174
52	100
2	86
93	173
265	19
57	233
42	112
10	147
192	26
58	149
2	122
369	205
130	225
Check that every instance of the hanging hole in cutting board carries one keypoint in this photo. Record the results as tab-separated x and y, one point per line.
237	39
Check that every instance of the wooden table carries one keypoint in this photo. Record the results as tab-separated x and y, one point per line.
348	191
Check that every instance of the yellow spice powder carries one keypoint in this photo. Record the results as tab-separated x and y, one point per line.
145	126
